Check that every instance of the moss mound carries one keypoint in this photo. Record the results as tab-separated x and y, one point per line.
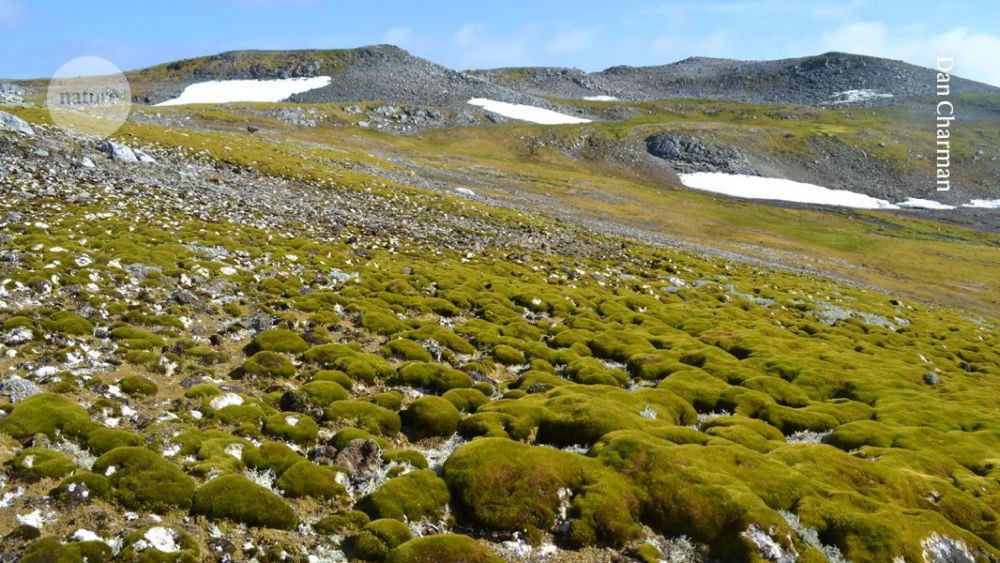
46	413
412	496
377	539
269	365
442	548
32	464
278	340
306	479
142	480
233	497
365	415
436	377
430	416
53	550
138	385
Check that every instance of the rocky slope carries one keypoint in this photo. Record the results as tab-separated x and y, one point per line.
205	361
380	72
824	79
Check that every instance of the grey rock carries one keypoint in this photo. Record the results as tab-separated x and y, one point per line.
691	154
17	336
18	388
119	152
359	458
10	94
15	124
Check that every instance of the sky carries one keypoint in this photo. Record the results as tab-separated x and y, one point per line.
38	36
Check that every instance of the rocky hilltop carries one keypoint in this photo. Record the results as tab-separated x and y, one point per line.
379	72
826	79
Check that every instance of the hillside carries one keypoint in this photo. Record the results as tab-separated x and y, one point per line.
379	72
375	323
818	80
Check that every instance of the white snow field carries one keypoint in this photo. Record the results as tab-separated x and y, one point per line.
917	203
526	113
755	187
984	203
856	96
601	98
225	91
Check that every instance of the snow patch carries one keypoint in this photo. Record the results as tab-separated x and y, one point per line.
225	91
855	96
526	113
917	203
984	203
601	98
755	187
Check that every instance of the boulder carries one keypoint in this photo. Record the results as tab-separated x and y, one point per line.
15	124
119	152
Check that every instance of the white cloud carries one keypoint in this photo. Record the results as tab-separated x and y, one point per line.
12	13
974	53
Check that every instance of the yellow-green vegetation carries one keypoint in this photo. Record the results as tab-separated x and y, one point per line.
607	391
232	497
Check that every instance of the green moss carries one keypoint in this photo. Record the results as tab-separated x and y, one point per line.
506	486
104	440
391	400
306	479
67	322
335	376
507	355
466	400
52	550
430	416
359	366
275	456
321	393
342	524
97	485
142	358
410	497
365	415
233	497
437	377
345	436
32	464
442	548
399	455
137	385
278	340
381	322
268	365
408	350
298	428
377	539
46	413
136	338
201	391
142	480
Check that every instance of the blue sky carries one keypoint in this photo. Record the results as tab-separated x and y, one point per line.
39	35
